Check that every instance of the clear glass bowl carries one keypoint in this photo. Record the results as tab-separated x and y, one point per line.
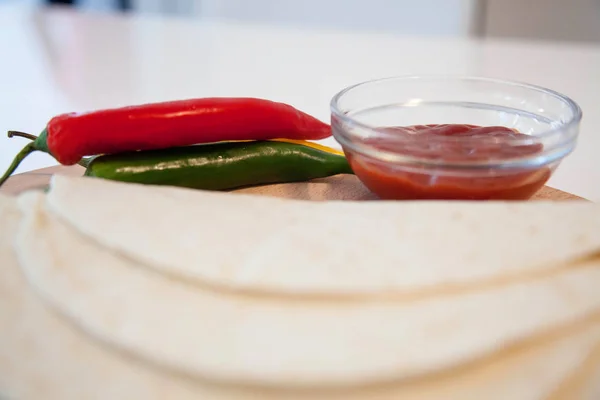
398	163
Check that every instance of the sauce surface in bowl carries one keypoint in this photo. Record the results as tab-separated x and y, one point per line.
391	181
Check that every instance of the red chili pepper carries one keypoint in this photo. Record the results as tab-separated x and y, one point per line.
177	123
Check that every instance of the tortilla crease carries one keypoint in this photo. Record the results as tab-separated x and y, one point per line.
263	244
43	357
522	340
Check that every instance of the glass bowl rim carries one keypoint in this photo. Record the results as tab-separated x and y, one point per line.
548	133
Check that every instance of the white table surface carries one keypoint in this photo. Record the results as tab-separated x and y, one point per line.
53	61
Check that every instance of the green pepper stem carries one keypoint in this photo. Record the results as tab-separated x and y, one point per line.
29	148
85	161
21	134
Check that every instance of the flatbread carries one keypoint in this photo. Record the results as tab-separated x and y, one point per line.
257	243
65	364
240	339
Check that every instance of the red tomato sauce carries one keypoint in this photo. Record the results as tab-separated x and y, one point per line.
396	182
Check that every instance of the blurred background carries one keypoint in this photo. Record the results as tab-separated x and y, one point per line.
557	20
78	55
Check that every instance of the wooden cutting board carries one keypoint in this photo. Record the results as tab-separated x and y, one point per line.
341	187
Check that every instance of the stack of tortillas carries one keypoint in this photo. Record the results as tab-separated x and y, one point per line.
122	291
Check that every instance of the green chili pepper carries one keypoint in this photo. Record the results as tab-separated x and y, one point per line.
218	166
222	166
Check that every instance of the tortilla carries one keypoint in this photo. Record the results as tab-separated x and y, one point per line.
240	339
63	364
257	243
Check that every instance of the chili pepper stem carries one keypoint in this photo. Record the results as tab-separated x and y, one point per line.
84	162
29	148
21	134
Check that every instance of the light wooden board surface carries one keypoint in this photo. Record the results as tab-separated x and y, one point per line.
341	187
